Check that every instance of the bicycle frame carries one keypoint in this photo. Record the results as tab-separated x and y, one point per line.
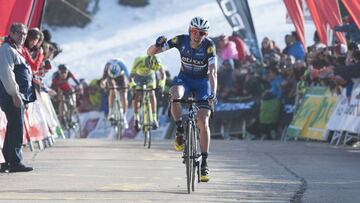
118	114
192	156
71	120
146	114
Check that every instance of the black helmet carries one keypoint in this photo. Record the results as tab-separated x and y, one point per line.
63	67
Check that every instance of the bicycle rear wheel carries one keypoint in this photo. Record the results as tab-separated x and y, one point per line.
193	155
149	125
145	122
188	154
117	120
76	124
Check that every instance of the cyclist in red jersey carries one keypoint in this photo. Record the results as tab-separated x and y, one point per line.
60	83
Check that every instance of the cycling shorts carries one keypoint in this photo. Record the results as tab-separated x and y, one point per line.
119	81
201	88
148	80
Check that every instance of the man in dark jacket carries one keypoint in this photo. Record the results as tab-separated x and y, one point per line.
16	90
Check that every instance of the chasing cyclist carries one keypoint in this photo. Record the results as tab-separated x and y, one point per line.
116	75
60	83
143	73
198	73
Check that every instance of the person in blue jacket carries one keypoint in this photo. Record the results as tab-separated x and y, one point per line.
16	91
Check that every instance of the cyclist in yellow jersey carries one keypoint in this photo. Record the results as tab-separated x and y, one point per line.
143	73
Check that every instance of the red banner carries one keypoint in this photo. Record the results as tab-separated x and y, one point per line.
330	10
35	19
295	12
353	8
28	12
6	7
318	19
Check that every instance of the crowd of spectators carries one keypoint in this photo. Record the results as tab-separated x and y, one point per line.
278	81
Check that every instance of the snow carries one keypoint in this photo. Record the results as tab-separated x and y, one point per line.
126	32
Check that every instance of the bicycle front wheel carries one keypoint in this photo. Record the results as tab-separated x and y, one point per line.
193	156
145	122
147	126
117	119
188	155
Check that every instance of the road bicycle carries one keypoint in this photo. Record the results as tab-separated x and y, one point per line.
118	118
191	155
70	121
146	114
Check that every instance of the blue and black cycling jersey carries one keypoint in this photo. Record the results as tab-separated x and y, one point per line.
194	62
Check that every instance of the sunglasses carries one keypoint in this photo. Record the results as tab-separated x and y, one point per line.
200	32
21	33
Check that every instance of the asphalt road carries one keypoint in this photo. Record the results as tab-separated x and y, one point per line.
241	171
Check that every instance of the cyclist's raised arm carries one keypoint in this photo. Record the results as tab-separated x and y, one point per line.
162	45
162	80
157	47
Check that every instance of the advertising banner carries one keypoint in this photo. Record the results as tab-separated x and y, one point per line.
346	116
239	16
310	120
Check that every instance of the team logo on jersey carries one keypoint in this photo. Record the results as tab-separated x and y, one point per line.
174	40
210	50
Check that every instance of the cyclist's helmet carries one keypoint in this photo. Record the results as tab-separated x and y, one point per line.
63	68
153	62
114	69
200	23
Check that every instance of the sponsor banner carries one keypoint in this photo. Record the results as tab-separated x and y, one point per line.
346	116
239	16
310	120
316	128
50	115
35	122
241	110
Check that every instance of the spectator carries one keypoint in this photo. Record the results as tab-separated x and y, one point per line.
352	32
275	79
228	48
269	115
296	49
32	47
51	49
268	47
240	46
287	44
16	91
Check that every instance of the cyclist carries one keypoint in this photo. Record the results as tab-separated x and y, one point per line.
198	74
143	73
60	83
116	75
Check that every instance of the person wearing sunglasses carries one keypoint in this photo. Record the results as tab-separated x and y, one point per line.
197	74
16	91
143	73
